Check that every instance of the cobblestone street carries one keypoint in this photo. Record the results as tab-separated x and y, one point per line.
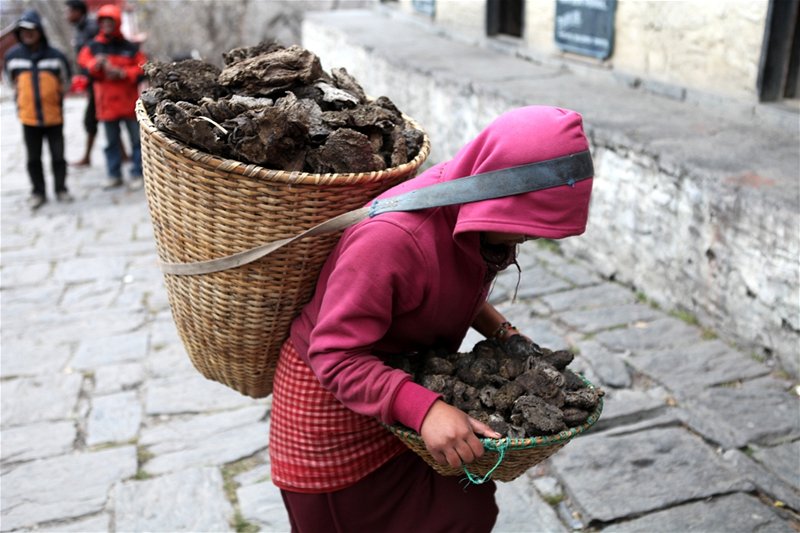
106	426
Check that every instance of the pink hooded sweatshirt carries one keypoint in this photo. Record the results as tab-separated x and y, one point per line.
404	282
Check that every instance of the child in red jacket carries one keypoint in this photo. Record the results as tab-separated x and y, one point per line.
115	66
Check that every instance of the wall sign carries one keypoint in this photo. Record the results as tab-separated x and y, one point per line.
427	7
585	26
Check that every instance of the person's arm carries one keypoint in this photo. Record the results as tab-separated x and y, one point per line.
492	324
92	64
379	273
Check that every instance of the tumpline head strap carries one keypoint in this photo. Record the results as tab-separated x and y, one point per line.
566	170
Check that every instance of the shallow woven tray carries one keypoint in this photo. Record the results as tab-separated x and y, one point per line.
504	459
202	207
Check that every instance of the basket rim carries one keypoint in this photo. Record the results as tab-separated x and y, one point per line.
511	444
292	177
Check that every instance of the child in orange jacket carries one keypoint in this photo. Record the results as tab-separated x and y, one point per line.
40	74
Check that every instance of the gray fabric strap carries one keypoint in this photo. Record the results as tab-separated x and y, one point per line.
566	170
248	256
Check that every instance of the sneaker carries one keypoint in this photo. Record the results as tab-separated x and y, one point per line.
65	197
136	183
36	201
113	183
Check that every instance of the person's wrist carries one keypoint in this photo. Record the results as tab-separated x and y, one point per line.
504	331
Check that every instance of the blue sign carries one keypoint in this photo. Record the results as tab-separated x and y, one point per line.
428	7
585	27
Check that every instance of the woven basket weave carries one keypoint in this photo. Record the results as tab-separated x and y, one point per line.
202	207
504	459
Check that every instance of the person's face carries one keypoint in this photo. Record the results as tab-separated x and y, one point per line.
74	15
29	37
106	25
509	239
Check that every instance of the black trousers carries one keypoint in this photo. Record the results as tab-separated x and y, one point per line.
34	138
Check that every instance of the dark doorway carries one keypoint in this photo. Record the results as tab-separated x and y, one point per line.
780	54
505	17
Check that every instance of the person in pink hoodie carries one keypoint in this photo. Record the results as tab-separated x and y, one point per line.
399	284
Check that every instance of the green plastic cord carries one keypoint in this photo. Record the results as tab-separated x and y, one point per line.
488	445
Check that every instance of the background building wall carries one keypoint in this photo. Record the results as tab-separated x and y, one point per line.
714	47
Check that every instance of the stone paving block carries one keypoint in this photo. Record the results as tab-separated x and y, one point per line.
538	253
164	332
54	237
144	232
15	241
608	366
627	406
206	439
114	418
577	274
37	441
602	295
261	504
767	482
57	226
783	460
119	249
521	508
259	474
191	500
593	320
738	512
613	477
766	411
96	352
47	397
535	281
174	434
25	356
63	487
83	269
80	325
96	524
663	333
220	448
48	293
92	295
191	393
704	364
169	362
21	275
36	254
115	378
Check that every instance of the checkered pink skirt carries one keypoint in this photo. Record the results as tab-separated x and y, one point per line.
317	444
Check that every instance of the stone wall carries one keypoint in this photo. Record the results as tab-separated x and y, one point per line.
675	214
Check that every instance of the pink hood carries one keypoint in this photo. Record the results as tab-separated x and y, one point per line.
540	133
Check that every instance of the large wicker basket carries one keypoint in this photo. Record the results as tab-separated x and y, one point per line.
203	207
504	459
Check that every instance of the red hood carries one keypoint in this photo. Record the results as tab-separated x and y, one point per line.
518	137
112	12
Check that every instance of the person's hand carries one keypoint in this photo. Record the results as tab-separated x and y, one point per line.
114	73
449	435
